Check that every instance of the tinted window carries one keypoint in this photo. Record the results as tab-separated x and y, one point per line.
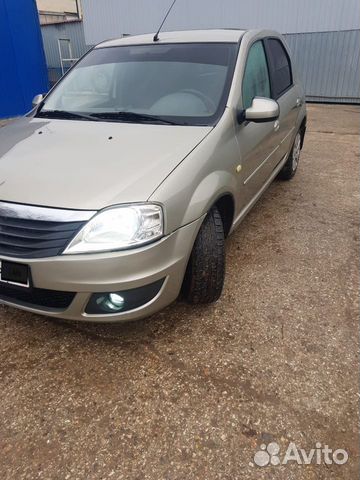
256	77
280	66
184	83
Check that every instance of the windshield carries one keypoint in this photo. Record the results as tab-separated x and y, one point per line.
173	83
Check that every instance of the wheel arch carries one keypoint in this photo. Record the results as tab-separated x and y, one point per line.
226	207
303	130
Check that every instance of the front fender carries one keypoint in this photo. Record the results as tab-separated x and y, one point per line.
212	188
201	179
191	202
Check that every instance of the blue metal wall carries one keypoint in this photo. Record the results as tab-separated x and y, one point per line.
23	68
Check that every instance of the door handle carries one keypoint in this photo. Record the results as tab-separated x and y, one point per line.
276	125
298	102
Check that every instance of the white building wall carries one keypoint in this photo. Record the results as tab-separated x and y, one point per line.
60	6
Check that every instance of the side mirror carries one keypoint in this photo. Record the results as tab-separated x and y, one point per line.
262	110
37	100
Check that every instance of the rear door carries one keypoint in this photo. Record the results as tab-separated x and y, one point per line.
284	91
257	141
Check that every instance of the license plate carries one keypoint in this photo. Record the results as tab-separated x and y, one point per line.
14	273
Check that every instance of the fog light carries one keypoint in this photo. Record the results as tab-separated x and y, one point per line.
110	302
113	302
117	302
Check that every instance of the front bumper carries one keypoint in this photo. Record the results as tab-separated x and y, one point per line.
87	274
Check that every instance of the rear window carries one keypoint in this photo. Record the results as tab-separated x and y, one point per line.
280	66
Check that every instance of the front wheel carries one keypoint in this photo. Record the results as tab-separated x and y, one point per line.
291	165
204	277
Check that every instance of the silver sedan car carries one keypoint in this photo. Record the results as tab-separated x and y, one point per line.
118	189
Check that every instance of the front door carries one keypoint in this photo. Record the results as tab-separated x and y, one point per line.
257	141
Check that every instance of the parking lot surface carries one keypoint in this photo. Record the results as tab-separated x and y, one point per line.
193	392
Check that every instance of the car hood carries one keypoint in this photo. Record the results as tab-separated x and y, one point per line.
89	165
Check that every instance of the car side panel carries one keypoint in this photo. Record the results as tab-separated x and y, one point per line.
257	152
289	113
212	168
290	103
208	173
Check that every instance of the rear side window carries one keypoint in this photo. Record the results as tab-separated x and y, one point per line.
256	81
280	66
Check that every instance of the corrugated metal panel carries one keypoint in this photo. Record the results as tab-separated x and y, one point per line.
73	31
23	69
111	18
329	64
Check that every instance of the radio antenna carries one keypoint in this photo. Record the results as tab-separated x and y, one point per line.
156	36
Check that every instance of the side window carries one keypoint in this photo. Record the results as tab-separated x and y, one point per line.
256	81
280	66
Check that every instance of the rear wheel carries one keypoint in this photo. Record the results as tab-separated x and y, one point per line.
204	277
291	165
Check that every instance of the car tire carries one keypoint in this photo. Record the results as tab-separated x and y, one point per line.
204	277
289	169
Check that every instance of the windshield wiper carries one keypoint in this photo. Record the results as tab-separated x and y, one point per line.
65	115
132	117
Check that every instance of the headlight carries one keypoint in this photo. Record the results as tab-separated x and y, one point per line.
118	228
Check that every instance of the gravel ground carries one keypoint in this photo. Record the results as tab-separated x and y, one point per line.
3	122
192	393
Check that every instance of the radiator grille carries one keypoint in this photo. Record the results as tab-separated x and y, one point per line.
26	238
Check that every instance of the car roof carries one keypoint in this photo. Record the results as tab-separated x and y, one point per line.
189	36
